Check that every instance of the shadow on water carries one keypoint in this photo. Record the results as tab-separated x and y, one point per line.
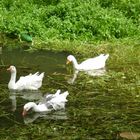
100	105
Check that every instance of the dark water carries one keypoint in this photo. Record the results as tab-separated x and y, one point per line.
47	62
99	106
26	62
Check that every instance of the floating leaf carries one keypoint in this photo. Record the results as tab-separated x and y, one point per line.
26	37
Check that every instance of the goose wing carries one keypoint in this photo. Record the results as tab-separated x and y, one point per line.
95	63
58	102
31	81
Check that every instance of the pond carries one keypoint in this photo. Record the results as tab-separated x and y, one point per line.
100	106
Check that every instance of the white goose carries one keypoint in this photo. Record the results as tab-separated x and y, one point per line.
89	64
52	102
29	82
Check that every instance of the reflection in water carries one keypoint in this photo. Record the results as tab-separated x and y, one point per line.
27	95
12	97
98	72
57	115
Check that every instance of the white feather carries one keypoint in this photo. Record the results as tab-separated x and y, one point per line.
89	64
57	101
29	82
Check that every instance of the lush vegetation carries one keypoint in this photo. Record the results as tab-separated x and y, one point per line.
98	107
80	20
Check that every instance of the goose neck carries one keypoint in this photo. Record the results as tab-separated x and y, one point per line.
75	63
13	77
34	106
12	82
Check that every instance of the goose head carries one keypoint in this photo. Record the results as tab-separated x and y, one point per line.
27	107
70	59
12	69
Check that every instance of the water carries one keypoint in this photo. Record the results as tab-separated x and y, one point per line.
98	107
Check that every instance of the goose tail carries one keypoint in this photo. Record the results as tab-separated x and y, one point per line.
65	94
106	56
57	92
42	75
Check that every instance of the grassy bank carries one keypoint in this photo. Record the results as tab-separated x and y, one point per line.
75	47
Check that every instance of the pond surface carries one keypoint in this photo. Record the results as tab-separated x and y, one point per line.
100	105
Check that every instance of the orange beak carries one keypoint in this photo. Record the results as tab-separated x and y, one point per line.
68	62
24	112
9	69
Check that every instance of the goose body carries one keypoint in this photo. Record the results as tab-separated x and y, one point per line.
89	64
51	102
29	82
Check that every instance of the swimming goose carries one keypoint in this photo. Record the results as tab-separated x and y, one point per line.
52	102
89	64
29	82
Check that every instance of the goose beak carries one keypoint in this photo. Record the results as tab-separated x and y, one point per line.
24	112
9	69
68	62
